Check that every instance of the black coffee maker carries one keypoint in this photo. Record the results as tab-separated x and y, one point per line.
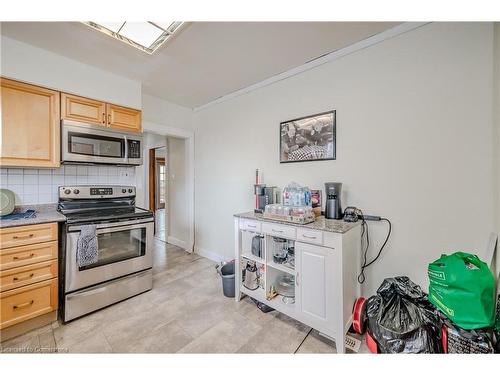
333	208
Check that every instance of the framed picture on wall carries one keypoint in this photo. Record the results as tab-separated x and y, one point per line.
308	138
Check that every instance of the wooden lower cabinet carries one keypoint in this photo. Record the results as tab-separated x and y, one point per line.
30	125
22	276
27	234
21	304
28	277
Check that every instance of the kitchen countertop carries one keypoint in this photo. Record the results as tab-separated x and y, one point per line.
327	225
45	213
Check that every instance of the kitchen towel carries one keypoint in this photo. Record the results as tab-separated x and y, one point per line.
86	247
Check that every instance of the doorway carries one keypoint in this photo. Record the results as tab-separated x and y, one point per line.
158	189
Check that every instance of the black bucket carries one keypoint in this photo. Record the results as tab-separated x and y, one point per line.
227	274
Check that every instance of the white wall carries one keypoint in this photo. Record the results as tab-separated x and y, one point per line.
414	117
27	63
142	172
159	114
40	186
177	198
496	116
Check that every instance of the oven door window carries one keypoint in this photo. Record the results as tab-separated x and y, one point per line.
118	246
96	145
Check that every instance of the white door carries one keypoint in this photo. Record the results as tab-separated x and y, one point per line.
316	292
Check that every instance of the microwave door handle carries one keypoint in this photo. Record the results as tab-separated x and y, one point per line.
125	159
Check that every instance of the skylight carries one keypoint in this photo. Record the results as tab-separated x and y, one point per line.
146	36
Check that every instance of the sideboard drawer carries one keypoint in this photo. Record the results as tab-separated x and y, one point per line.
28	302
278	230
29	254
310	236
251	226
332	240
27	234
22	276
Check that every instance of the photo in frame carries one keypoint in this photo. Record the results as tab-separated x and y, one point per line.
309	138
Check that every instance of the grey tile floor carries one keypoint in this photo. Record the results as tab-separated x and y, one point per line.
160	224
185	312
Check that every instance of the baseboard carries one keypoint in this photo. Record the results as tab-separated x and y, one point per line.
175	241
210	255
27	326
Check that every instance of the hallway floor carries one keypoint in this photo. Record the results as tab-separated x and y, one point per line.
185	312
160	225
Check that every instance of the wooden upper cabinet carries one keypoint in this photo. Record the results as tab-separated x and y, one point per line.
124	118
30	125
100	113
83	109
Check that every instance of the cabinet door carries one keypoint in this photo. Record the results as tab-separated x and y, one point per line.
316	289
83	109
124	118
30	125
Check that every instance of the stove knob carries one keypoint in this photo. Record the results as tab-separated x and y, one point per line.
130	191
76	191
124	191
67	191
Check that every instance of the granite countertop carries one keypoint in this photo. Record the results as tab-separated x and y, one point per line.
327	225
45	213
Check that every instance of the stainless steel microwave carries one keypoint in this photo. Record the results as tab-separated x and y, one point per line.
94	144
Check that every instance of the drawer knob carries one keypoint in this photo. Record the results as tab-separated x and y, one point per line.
23	237
24	277
23	305
25	257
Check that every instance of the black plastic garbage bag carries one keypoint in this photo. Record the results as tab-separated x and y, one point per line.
402	320
466	341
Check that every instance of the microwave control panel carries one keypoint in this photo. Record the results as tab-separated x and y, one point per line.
134	149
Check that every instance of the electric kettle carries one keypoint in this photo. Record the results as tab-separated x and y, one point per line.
251	279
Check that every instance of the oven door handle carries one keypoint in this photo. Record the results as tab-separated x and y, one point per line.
119	225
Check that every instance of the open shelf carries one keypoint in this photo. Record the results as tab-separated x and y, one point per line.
253	257
281	267
258	293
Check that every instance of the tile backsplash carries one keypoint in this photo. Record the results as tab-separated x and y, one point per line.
39	186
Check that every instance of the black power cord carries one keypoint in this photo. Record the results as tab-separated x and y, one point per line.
364	230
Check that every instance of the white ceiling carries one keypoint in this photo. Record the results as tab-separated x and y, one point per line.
205	60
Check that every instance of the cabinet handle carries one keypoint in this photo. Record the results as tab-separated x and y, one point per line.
23	237
252	226
277	231
310	237
22	305
103	118
297	279
24	277
109	119
25	257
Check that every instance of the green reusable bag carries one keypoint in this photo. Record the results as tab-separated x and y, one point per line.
463	288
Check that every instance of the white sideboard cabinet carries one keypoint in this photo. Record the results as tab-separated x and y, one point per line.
324	269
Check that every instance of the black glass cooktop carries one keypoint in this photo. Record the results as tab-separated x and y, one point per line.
106	214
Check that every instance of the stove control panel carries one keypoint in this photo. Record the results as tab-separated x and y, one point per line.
95	192
102	191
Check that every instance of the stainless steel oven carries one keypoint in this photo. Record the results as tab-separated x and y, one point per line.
124	233
124	248
96	144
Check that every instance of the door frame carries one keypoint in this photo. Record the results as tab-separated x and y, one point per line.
188	136
151	177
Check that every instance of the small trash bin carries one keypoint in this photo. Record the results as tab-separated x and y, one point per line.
226	271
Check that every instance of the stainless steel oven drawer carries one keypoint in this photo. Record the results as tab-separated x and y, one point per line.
85	301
